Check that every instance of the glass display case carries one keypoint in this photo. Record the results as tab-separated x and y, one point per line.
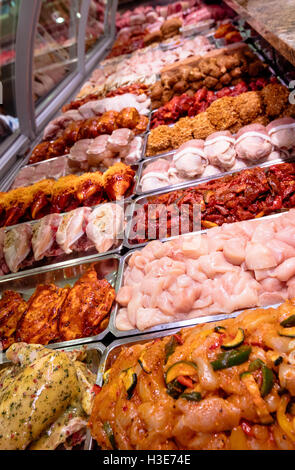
47	50
9	11
55	48
95	23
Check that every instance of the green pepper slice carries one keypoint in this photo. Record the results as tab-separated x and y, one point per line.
290	321
267	380
170	348
175	389
267	375
193	396
109	432
231	358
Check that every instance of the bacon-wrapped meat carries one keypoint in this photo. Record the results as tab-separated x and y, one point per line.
90	129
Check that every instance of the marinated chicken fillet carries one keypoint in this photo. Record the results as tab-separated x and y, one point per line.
36	396
40	322
88	302
12	307
226	385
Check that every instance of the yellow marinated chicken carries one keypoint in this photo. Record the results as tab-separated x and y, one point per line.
45	398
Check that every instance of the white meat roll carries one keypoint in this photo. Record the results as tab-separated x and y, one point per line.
220	150
282	133
190	160
253	143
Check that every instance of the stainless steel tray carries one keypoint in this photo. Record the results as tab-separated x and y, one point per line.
169	156
94	353
74	257
143	199
106	266
164	326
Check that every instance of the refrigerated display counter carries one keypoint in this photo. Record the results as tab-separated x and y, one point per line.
47	49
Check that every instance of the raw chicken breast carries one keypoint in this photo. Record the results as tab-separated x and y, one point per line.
282	133
98	150
220	150
78	157
44	233
231	267
155	175
119	139
17	246
132	153
154	180
253	143
72	227
104	226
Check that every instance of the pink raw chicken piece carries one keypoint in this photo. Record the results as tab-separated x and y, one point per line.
72	228
220	149
190	160
132	153
155	175
44	233
232	267
282	133
98	151
119	139
17	246
78	154
104	226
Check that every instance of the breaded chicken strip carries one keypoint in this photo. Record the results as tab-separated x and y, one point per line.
201	126
275	98
222	113
248	106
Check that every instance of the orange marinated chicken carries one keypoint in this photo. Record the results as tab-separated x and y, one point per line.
65	194
40	322
88	303
220	385
118	179
12	307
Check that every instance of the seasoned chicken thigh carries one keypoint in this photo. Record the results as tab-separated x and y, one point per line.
45	398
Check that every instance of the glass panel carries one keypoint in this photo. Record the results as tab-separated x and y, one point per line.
55	45
95	23
8	23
